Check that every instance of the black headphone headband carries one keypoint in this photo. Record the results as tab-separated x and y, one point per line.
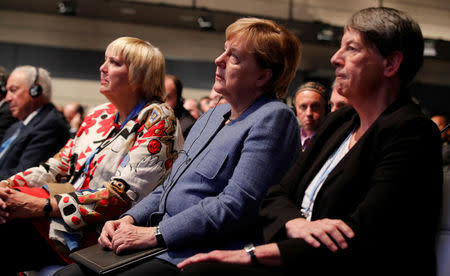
36	76
35	88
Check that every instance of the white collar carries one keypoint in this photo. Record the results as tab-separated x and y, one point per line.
31	116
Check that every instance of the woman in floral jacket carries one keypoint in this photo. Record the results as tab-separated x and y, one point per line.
122	151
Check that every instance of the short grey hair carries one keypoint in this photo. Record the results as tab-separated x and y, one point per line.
43	79
391	30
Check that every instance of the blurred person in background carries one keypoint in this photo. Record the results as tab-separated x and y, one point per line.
336	100
191	105
204	104
74	114
174	98
311	107
215	99
6	118
441	122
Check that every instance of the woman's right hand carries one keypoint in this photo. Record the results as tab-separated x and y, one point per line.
330	232
109	228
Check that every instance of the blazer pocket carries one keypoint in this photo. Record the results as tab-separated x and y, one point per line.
211	164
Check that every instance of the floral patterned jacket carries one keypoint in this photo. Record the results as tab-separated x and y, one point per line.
130	163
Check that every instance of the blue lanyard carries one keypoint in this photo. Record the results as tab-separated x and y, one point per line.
132	114
330	165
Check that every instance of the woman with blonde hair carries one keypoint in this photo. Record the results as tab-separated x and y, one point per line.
122	151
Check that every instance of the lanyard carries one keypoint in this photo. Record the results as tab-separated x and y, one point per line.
321	176
132	114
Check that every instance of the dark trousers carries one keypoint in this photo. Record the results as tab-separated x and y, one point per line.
25	248
222	269
153	267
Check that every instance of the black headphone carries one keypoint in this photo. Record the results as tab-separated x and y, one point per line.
3	90
35	88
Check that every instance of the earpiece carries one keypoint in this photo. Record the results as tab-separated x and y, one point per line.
35	88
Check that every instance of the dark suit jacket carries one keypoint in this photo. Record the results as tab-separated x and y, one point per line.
186	120
6	119
387	189
40	139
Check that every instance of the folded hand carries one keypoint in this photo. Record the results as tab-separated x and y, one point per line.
130	237
330	232
122	235
15	204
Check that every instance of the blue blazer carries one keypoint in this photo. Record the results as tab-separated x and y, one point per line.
39	140
211	198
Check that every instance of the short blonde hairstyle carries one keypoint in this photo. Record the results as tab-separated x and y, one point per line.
275	48
146	66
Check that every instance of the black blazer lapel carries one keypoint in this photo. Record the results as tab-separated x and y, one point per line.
28	129
321	148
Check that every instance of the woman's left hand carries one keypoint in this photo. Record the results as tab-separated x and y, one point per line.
19	205
223	256
331	232
131	237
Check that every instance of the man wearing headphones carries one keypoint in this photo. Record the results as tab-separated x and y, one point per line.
310	107
6	118
41	130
